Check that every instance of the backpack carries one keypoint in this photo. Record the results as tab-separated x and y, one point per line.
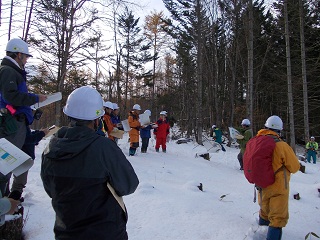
257	160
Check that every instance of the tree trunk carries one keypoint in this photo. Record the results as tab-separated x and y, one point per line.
289	77
199	121
250	65
304	75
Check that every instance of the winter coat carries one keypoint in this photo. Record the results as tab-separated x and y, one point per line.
313	146
13	89
145	132
115	119
134	123
274	198
217	136
162	130
76	166
108	125
32	139
247	133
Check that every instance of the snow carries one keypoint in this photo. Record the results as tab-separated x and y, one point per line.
169	205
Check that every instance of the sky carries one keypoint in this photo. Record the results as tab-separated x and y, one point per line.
147	6
169	205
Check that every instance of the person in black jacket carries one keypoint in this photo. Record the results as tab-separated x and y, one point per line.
86	174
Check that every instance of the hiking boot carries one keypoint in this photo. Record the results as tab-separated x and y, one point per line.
16	195
157	149
164	150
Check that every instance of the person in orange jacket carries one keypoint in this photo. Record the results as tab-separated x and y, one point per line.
162	131
273	200
135	125
108	125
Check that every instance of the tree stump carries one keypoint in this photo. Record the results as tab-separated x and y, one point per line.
12	229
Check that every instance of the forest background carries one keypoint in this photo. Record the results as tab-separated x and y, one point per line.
204	61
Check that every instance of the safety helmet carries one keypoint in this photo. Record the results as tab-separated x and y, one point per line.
245	122
274	122
17	45
213	126
136	107
108	104
84	103
115	106
148	112
163	113
312	137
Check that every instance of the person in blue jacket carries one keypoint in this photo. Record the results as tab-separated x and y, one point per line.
15	102
145	134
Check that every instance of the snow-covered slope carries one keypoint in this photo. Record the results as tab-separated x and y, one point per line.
168	205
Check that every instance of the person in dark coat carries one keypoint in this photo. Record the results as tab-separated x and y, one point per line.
145	133
86	175
15	102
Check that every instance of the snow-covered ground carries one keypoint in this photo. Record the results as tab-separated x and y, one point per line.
168	205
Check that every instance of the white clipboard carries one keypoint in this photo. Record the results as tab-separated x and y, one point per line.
13	159
233	132
125	125
144	119
50	99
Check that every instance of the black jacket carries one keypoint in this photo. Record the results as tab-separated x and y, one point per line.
76	166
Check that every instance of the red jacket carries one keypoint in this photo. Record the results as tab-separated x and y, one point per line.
163	128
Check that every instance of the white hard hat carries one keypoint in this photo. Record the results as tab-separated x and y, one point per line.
115	106
274	122
163	113
108	104
148	112
312	137
17	45
245	122
136	107
213	126
84	103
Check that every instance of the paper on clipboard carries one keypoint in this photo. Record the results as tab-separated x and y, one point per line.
125	125
233	132
144	119
50	99
13	159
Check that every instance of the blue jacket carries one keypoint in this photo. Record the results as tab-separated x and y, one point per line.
14	91
115	119
146	132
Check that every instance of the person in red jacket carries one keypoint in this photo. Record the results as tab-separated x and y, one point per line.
162	131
